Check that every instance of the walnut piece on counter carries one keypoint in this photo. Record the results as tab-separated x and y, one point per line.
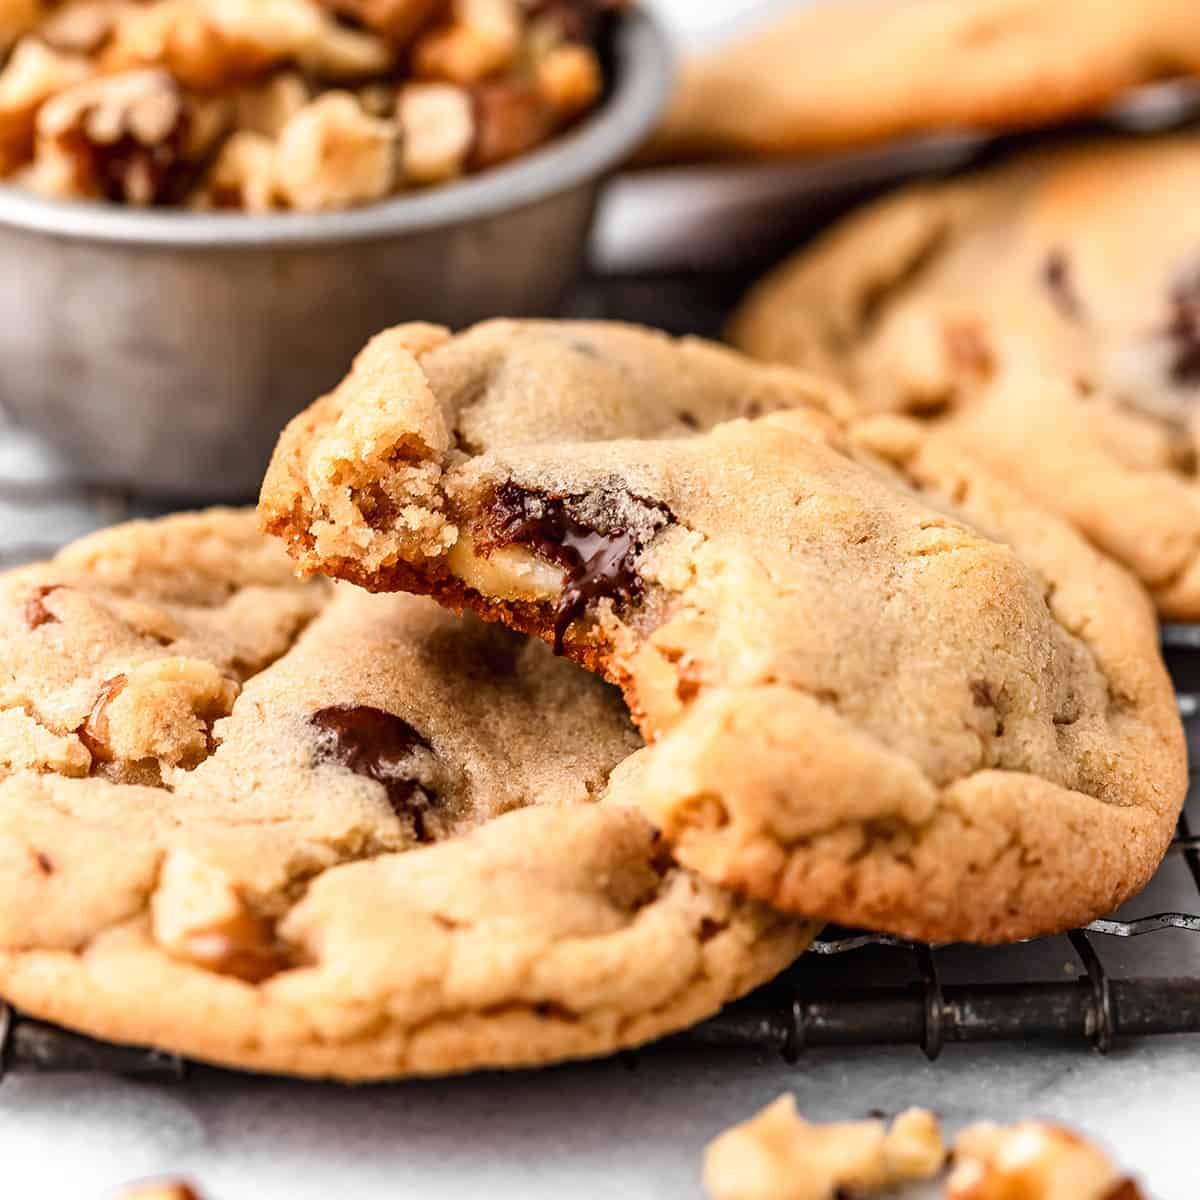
1033	1161
777	1155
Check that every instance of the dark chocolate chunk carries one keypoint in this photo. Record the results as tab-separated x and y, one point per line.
598	565
1183	331
380	746
36	612
1056	274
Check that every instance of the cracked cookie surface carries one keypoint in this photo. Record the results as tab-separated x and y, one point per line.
327	833
837	75
880	687
1045	314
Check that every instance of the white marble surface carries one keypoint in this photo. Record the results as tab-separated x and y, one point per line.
618	1130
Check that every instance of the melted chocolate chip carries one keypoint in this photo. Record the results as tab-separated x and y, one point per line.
982	694
36	612
88	732
598	565
45	864
1183	331
1056	274
378	745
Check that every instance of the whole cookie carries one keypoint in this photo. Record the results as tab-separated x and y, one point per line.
288	827
837	74
1046	315
880	687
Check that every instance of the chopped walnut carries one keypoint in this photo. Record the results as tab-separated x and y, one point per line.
162	709
214	43
131	137
17	18
132	101
332	155
1032	1161
396	20
268	106
198	915
83	26
569	78
181	37
377	99
913	1147
437	127
777	1155
243	176
511	118
33	74
482	38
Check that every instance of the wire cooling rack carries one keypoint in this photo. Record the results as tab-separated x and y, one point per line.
851	988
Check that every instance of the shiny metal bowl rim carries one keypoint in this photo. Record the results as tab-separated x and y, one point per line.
643	77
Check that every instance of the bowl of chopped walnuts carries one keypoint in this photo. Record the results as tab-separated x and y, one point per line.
206	206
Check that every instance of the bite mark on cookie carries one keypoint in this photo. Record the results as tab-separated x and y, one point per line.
597	563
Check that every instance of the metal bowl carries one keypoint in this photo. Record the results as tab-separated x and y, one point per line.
163	351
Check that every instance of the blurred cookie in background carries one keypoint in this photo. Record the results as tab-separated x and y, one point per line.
831	76
1046	316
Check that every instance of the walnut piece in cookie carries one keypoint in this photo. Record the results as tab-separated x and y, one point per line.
777	1155
134	137
1033	1160
332	154
199	915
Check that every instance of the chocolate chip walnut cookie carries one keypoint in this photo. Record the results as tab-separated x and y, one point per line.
880	687
1046	316
843	73
288	827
